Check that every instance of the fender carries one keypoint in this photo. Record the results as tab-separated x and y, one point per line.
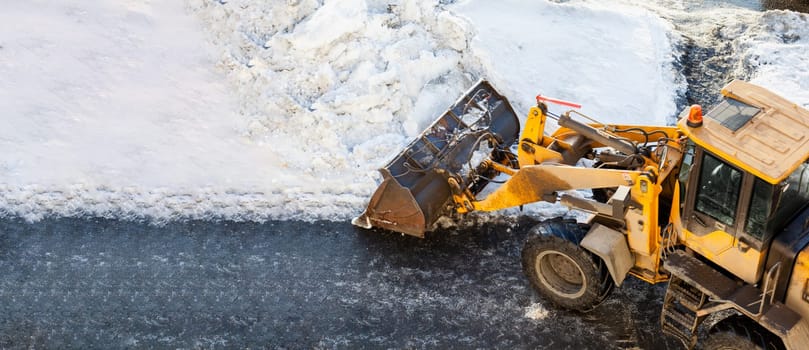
611	246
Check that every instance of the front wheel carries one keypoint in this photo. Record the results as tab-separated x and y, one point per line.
561	270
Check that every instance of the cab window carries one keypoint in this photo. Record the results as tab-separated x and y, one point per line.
759	210
772	206
685	169
718	189
791	196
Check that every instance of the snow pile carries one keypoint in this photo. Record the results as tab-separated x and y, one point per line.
285	109
114	108
360	78
345	75
119	110
616	60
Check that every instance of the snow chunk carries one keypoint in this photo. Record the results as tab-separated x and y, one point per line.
335	19
537	311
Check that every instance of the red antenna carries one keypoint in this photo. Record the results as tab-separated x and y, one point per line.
557	101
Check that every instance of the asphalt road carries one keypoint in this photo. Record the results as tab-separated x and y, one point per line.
80	283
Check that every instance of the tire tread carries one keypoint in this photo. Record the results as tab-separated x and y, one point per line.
740	332
567	234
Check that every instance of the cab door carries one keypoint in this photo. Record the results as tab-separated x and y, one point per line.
723	214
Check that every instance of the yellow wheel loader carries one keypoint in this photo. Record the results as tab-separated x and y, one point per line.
715	206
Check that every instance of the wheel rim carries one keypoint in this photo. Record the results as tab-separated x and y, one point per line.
560	273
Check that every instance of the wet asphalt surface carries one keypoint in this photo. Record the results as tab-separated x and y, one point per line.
84	283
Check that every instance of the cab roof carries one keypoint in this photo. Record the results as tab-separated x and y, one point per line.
765	135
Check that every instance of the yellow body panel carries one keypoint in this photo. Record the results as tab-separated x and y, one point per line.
724	249
532	133
538	182
798	292
642	222
643	230
711	245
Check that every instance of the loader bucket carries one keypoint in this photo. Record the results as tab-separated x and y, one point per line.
414	192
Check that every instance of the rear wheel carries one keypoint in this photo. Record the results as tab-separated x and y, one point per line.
739	332
561	270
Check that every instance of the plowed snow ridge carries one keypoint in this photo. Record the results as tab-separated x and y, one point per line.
284	110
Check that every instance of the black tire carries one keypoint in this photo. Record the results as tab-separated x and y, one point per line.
739	332
562	271
603	194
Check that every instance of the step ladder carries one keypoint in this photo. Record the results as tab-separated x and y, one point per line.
679	317
697	290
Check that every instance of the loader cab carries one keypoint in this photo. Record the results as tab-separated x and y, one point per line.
743	177
731	215
725	214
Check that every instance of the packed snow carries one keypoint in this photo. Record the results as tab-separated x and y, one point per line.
251	110
616	60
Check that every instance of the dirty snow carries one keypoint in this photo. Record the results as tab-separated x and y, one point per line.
537	311
776	49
